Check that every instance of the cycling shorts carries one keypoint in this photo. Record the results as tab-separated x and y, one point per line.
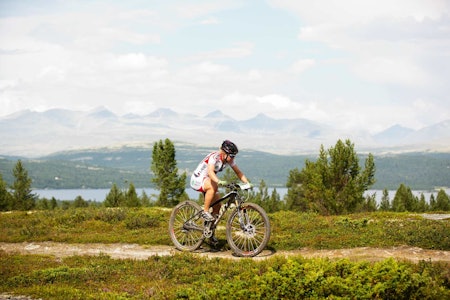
197	182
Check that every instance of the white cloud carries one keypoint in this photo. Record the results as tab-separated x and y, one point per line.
392	70
134	61
389	40
278	102
239	50
302	65
192	10
365	60
210	21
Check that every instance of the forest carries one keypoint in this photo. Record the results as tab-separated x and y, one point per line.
99	168
334	183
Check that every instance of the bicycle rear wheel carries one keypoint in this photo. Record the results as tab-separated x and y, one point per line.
252	237
186	226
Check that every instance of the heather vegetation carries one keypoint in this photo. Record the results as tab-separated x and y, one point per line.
324	209
187	276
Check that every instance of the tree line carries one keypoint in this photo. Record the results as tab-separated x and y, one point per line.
334	184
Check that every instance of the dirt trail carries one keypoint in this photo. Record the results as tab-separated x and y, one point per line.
134	251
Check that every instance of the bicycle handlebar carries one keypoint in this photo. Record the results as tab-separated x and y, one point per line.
242	186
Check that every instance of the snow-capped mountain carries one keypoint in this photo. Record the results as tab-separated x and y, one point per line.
32	134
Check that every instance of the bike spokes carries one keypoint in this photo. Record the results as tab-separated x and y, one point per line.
248	230
185	226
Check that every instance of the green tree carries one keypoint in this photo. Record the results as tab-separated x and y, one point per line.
5	196
369	204
132	199
164	167
261	197
442	201
229	176
271	203
42	204
295	196
422	205
53	203
145	199
334	184
385	204
274	203
404	200
432	202
22	197
115	197
80	202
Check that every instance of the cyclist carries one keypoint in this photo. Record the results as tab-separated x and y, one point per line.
205	180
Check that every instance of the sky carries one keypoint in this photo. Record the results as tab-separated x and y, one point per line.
351	64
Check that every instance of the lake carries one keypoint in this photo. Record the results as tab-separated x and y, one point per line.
99	195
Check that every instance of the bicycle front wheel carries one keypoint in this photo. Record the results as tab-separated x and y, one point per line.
186	226
248	230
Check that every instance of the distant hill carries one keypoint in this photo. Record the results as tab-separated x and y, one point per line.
34	134
99	168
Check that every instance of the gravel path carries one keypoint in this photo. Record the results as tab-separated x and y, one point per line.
134	251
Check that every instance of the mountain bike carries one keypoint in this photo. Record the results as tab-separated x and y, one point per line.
247	229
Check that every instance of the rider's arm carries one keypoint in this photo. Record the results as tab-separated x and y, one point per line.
212	174
239	173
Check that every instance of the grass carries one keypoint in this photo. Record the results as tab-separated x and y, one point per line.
185	276
290	230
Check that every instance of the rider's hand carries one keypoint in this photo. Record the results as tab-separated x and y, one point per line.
247	186
222	183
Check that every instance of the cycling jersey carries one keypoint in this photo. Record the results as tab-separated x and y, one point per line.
201	172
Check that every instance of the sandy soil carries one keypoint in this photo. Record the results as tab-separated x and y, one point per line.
134	251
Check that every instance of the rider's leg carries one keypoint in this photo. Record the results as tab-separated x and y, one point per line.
211	194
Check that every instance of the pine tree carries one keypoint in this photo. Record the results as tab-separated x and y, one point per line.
262	196
422	205
334	184
442	201
432	202
385	204
5	196
115	197
53	203
22	197
80	202
164	167
370	203
145	199
295	197
275	203
404	200
132	199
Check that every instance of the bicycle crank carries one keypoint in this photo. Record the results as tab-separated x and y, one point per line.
207	231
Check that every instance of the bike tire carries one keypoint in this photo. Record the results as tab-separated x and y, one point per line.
186	239
253	239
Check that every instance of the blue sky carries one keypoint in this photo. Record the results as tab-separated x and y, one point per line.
355	65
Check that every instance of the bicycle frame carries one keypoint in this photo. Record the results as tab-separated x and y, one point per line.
231	196
247	225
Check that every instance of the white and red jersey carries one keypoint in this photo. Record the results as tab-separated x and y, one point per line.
211	159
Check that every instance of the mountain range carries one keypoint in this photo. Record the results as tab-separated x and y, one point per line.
33	134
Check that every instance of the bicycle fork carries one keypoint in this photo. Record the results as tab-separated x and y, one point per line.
244	221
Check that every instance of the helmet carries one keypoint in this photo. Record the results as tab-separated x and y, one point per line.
230	148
